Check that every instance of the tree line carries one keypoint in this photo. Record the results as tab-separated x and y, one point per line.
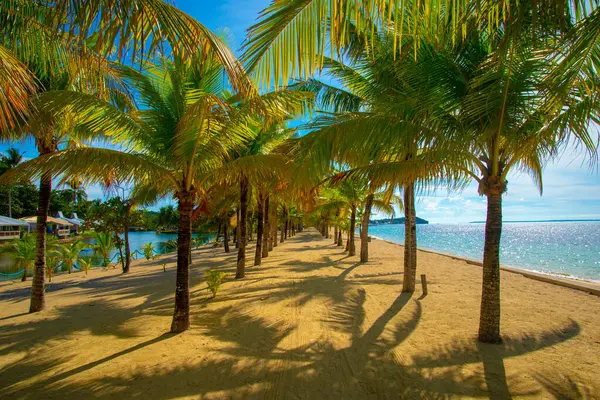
412	95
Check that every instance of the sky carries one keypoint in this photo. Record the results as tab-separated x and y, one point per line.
571	188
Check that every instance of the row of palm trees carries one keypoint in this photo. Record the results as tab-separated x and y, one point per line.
419	95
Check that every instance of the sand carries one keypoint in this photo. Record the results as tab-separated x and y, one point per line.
309	323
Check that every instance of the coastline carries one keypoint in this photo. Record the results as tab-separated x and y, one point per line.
572	282
309	320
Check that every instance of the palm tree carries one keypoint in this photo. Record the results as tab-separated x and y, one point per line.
274	56
129	29
10	160
103	244
257	163
179	137
69	253
37	53
376	130
22	253
493	115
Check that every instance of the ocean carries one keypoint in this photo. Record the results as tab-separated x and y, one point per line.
559	248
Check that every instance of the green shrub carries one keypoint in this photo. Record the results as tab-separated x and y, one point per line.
86	265
214	279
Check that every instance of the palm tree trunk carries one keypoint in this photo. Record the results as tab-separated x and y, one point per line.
237	228
410	239
489	321
285	228
364	232
274	224
335	234
259	230
218	232
226	235
267	229
9	202
126	236
340	241
241	259
38	299
352	245
181	316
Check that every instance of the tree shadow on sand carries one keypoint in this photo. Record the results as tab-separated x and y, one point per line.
267	357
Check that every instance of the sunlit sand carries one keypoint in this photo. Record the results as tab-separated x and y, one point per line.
309	323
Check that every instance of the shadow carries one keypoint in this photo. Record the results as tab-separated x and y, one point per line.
13	316
493	355
289	330
101	361
565	388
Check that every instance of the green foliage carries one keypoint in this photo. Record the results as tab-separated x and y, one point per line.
22	252
170	245
86	265
52	256
24	200
69	253
69	201
168	218
102	246
113	215
214	278
148	250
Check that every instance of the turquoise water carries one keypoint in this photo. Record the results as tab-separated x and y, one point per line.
564	248
136	241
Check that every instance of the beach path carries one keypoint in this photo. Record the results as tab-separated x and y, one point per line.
309	323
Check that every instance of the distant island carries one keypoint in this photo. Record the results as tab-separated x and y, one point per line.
392	221
543	220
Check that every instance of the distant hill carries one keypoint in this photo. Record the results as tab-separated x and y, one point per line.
395	221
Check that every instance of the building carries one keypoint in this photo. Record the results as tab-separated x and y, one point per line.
74	220
55	226
10	228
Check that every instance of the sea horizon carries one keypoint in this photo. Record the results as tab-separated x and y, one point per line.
566	248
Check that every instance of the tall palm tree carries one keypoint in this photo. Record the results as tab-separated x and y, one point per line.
491	115
176	140
257	163
53	47
375	129
12	158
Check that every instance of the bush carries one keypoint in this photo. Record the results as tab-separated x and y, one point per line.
214	279
86	265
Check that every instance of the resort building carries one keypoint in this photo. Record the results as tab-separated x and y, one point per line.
55	226
10	228
74	220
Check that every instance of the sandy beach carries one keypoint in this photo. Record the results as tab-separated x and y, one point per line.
309	323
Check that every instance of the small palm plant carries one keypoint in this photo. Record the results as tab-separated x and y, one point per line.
69	253
86	265
104	243
214	279
148	250
22	253
52	259
170	245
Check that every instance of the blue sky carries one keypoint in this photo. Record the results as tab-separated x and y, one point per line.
571	189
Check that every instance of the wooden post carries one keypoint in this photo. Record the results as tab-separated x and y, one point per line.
424	284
